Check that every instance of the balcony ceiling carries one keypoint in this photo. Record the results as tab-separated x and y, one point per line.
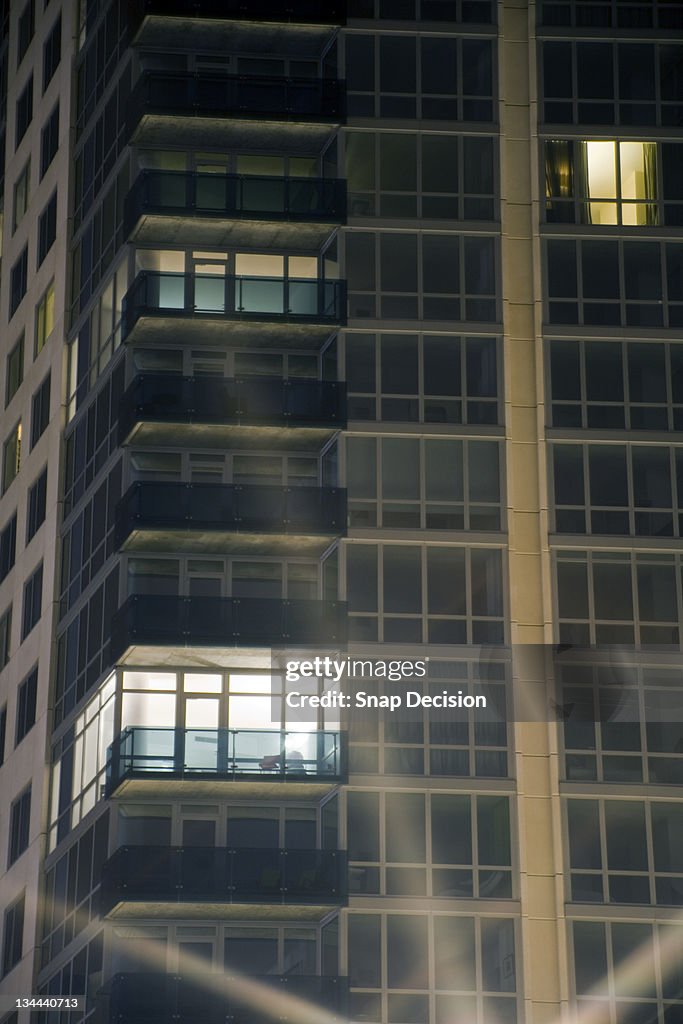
218	329
214	232
157	132
289	439
220	789
235	657
201	542
222	35
218	911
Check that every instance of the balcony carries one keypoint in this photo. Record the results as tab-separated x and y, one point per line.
222	210
296	12
230	755
213	516
163	404
223	97
154	998
217	875
166	621
203	308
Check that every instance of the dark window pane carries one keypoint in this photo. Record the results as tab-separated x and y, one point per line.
397	64
594	70
600	270
439	66
399	263
562	269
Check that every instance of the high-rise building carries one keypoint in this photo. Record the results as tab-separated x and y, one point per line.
348	328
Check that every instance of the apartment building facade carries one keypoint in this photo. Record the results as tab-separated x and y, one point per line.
362	329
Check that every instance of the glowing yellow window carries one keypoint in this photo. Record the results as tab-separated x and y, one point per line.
601	181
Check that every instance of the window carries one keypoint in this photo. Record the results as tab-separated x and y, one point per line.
19	825
8	546
618	489
437	742
428	379
45	318
455	82
22	188
3	732
25	30
15	370
431	176
624	722
603	282
625	851
33	599
11	457
470	845
601	182
5	636
633	599
52	51
472	955
604	83
13	935
40	411
604	977
433	484
49	141
26	705
616	385
47	228
468	11
416	594
636	14
428	276
35	513
24	112
18	281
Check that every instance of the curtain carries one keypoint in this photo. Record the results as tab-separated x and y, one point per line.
650	169
582	187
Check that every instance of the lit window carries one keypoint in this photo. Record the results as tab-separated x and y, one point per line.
601	182
11	457
45	318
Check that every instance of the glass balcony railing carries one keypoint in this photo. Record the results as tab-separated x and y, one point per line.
258	508
160	874
227	196
226	296
154	998
304	12
220	95
255	401
232	754
169	621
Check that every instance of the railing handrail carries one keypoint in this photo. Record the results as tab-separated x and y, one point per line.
264	400
231	873
146	172
144	275
313	12
231	76
129	754
254	196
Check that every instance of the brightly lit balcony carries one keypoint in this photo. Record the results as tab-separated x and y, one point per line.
233	755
